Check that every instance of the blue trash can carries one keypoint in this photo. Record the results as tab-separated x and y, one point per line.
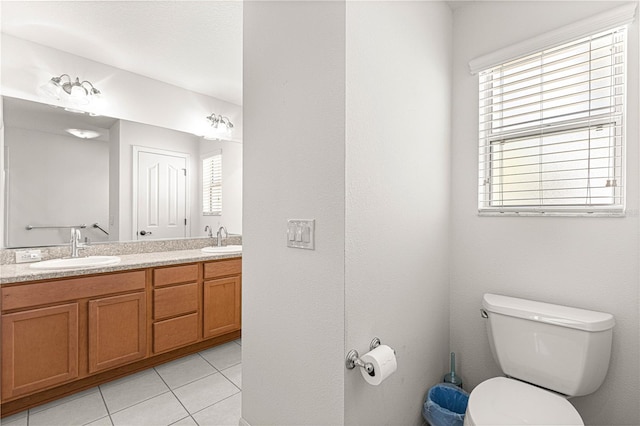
445	405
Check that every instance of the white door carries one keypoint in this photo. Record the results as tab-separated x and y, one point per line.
161	195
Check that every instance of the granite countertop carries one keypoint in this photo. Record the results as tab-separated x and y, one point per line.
15	273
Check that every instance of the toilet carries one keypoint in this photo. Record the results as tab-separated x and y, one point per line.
548	353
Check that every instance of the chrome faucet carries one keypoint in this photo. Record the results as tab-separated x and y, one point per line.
222	241
76	243
208	228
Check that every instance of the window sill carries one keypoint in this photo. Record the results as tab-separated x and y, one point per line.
499	213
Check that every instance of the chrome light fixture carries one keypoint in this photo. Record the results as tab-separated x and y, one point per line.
75	91
220	127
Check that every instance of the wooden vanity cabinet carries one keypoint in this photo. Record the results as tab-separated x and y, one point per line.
64	335
39	348
117	330
176	306
58	331
222	297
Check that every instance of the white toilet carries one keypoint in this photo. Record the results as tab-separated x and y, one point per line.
549	353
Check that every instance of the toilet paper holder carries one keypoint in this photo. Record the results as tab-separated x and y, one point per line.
353	358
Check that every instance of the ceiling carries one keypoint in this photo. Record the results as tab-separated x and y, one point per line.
196	45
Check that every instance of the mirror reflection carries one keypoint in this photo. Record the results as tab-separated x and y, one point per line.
118	179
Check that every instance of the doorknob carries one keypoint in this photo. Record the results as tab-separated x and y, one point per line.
143	232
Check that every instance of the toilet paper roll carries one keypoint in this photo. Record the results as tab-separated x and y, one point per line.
384	363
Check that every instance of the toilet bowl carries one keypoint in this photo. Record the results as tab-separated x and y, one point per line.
549	353
502	401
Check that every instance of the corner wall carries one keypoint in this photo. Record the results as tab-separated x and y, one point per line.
347	108
591	263
397	202
293	299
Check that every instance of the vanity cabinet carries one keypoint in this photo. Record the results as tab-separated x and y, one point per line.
117	330
175	307
63	335
222	297
39	348
58	331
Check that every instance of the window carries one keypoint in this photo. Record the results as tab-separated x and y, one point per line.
212	185
552	130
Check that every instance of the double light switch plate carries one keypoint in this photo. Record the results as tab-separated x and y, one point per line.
301	234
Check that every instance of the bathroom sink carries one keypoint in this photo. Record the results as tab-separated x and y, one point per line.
76	262
222	249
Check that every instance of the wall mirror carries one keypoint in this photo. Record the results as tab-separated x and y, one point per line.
66	169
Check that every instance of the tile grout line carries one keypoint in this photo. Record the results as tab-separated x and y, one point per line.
176	396
104	401
215	403
137	403
207	361
223	375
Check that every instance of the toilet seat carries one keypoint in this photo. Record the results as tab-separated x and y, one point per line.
503	401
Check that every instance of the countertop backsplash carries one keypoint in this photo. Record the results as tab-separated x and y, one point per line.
8	257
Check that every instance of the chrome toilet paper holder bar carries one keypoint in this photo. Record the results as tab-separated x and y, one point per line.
353	359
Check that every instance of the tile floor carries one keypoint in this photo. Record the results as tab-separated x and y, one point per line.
199	389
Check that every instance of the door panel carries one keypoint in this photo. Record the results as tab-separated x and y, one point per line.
161	200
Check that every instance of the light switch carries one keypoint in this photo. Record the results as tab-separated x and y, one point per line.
300	233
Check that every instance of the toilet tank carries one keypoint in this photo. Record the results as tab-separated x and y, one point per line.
560	348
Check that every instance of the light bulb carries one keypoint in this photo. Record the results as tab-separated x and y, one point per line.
78	95
51	89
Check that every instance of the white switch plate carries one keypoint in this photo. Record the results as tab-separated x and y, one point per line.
301	233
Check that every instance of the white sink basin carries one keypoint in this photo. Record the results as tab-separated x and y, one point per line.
222	249
76	262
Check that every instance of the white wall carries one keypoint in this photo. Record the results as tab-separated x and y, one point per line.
293	299
137	134
397	201
308	154
591	263
231	217
54	180
26	66
115	183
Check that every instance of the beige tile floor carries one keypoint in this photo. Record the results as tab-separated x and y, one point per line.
200	389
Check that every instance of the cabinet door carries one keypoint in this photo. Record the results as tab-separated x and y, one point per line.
39	349
221	306
117	331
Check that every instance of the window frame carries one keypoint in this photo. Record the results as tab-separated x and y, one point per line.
488	140
215	181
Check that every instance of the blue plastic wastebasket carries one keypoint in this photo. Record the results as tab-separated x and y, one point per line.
445	405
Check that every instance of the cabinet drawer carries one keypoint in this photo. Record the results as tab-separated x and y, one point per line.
222	268
175	275
27	295
175	332
176	300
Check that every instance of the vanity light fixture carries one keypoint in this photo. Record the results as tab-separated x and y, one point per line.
220	127
75	91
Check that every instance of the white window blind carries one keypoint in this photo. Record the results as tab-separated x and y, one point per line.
552	130
212	185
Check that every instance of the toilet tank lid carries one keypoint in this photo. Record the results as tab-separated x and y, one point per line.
563	316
